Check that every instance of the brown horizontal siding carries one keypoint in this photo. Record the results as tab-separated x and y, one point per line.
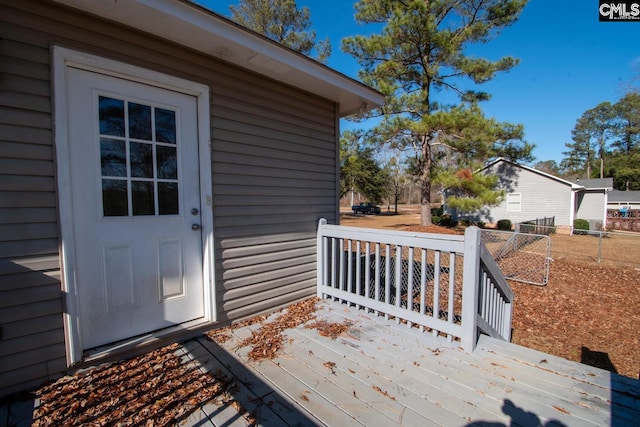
27	183
32	119
36	264
252	306
28	231
252	241
238	286
266	292
32	347
24	280
28	248
32	326
32	294
27	199
42	355
273	161
29	377
25	151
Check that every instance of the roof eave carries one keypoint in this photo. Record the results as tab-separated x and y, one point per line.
191	25
574	186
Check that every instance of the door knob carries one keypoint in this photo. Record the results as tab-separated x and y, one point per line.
194	211
196	227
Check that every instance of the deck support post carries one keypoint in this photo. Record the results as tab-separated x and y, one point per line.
470	288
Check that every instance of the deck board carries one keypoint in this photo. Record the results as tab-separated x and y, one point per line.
452	382
382	374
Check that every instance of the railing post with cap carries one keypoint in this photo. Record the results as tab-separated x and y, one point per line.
470	287
321	259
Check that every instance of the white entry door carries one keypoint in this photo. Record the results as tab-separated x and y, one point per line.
133	151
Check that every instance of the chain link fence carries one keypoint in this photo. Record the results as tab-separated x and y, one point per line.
609	248
522	257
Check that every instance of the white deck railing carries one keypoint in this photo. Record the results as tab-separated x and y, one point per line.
446	284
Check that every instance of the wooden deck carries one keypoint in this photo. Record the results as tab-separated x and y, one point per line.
385	374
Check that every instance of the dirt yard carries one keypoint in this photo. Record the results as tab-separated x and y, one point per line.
588	312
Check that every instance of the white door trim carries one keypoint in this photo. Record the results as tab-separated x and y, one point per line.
63	59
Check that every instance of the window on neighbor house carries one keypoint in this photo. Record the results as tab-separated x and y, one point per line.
514	202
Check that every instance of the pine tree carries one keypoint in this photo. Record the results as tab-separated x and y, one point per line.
420	51
593	131
282	21
627	140
359	171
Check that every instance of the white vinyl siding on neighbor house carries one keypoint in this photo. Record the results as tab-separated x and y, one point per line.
540	196
591	205
514	202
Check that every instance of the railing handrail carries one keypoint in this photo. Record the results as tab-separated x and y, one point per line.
486	297
489	263
444	242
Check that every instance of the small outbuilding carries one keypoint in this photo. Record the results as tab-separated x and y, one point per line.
162	171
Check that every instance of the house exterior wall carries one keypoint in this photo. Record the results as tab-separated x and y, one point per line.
590	205
274	162
540	196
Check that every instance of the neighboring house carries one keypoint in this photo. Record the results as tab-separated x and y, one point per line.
628	200
591	201
162	171
531	194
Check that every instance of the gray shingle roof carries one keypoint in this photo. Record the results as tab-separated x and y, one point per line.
595	183
624	196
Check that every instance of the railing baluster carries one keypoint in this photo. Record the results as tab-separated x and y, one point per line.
423	283
334	274
387	277
398	279
377	273
436	289
349	283
494	305
341	266
325	264
367	270
486	302
410	282
452	285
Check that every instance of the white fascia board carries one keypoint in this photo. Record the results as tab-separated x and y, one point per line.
193	26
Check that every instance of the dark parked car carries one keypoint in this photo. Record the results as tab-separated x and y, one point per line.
366	209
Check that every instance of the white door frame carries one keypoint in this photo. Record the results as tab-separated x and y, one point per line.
63	59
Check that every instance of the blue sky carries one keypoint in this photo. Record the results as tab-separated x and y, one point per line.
569	63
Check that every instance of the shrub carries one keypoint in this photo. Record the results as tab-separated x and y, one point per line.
465	222
581	226
504	224
436	219
446	221
481	224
